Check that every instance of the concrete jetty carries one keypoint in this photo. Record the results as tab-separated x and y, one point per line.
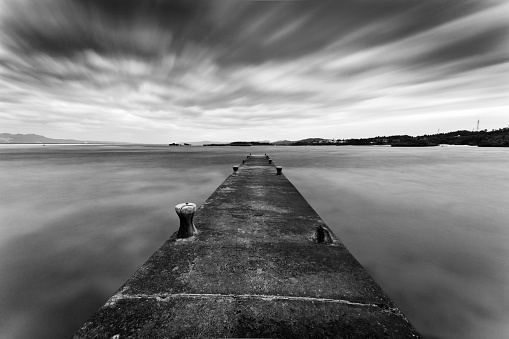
261	264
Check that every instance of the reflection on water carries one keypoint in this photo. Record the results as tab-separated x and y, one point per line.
428	224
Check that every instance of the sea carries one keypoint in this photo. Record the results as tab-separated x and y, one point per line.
430	225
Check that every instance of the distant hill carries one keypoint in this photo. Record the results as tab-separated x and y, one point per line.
283	142
205	142
7	138
484	138
225	143
494	138
243	143
312	141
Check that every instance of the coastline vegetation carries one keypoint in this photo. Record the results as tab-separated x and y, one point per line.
484	138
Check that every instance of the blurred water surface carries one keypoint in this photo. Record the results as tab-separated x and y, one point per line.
429	224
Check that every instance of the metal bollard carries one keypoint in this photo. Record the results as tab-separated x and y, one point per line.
185	211
270	161
279	170
322	235
235	169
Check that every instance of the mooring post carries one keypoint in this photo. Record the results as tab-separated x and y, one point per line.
279	170
322	235
270	161
235	169
185	211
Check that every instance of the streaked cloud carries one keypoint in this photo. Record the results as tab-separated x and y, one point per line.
160	71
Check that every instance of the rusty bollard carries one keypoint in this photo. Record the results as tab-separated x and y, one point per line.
322	235
235	169
279	170
270	161
185	211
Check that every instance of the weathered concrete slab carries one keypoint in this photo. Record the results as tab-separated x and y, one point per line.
252	271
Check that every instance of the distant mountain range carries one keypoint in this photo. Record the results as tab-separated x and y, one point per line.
7	138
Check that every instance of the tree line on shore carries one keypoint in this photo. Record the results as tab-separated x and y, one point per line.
493	138
484	138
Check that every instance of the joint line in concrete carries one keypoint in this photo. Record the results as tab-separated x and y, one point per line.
167	296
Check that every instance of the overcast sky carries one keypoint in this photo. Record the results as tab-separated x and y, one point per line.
160	71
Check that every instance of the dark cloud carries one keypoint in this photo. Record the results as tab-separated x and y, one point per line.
145	28
241	32
185	19
480	45
250	31
160	10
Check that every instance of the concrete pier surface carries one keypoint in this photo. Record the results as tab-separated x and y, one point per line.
261	265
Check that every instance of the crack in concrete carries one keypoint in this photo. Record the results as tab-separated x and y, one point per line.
167	296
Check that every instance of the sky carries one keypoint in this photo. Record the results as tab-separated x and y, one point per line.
161	71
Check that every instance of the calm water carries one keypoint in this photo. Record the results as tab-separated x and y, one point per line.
429	224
